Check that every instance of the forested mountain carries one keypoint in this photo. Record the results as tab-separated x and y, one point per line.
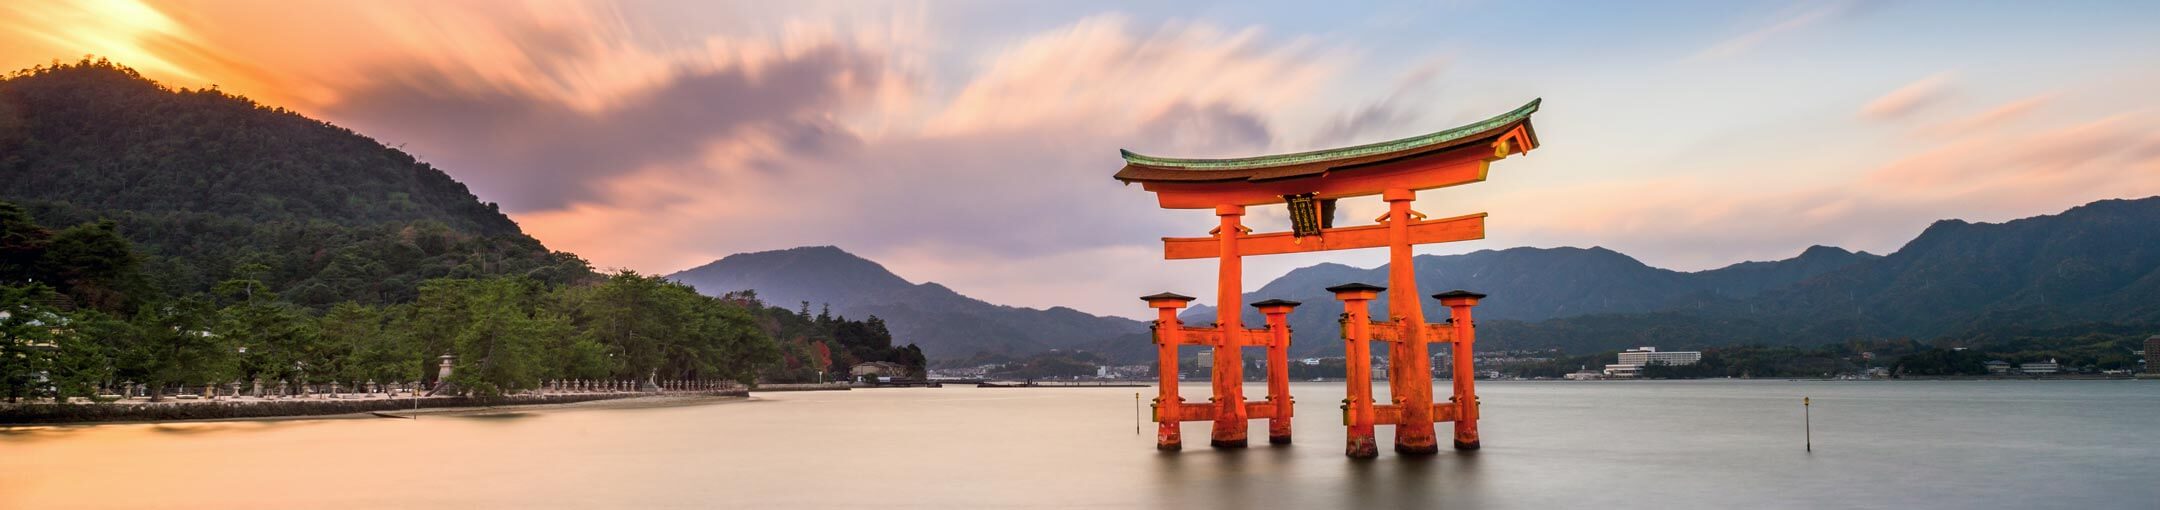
946	324
1533	284
213	186
2093	268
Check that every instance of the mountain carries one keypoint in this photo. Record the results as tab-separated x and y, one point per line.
1535	284
946	324
2097	263
215	186
2095	267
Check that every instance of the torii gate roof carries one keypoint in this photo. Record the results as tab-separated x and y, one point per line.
1151	169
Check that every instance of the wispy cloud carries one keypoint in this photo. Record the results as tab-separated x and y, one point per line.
1909	98
1793	18
1999	117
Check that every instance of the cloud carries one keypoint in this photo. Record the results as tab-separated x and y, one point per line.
1999	117
1103	75
1792	19
1401	106
1909	98
1995	175
543	154
1003	194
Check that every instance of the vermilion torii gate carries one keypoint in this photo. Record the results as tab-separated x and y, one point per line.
1309	183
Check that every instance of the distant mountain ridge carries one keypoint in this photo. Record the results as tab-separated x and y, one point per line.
1535	284
2090	268
946	324
2093	266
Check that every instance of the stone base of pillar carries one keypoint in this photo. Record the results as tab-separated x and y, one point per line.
1282	439
1362	448
1167	437
1227	443
1461	445
1427	449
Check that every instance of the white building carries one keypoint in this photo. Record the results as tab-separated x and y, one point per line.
1623	371
1647	355
2040	367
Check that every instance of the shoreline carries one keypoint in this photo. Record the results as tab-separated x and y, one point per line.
49	414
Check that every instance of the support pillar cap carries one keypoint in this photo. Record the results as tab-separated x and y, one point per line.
1276	302
1356	287
1167	300
1458	294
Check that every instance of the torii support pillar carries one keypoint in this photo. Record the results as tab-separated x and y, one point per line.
1357	356
1168	335
1464	373
1281	404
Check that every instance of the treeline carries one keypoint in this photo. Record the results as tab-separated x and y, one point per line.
78	318
824	347
216	187
1900	357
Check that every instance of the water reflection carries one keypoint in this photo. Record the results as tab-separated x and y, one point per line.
1706	445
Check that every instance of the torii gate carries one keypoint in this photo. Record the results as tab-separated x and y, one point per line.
1309	183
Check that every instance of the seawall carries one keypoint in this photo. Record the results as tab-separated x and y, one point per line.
52	413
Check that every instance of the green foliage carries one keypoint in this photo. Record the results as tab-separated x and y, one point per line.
173	341
214	187
827	345
499	348
47	352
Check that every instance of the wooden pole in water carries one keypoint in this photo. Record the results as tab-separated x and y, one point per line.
1807	421
1139	417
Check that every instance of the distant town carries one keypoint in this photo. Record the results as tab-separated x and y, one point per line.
1855	361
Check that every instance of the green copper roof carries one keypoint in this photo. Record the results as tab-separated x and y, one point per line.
1342	153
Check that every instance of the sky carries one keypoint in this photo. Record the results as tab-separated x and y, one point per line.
972	143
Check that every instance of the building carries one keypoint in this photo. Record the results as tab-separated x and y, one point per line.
1648	355
878	369
1206	359
2152	347
1997	367
1623	371
2040	367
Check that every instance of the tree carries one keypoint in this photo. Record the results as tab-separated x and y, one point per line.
22	245
95	266
363	348
274	339
499	351
172	342
27	344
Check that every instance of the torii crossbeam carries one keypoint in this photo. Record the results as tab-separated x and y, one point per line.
1309	183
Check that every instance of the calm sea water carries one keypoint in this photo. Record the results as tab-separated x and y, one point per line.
1702	444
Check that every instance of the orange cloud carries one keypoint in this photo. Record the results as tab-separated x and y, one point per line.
1100	75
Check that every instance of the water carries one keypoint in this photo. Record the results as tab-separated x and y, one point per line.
1703	444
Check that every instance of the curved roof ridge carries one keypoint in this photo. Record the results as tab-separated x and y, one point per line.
1434	138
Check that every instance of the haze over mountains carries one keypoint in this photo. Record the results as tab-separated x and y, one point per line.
2093	267
946	324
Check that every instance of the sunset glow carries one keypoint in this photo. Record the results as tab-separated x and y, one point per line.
971	144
